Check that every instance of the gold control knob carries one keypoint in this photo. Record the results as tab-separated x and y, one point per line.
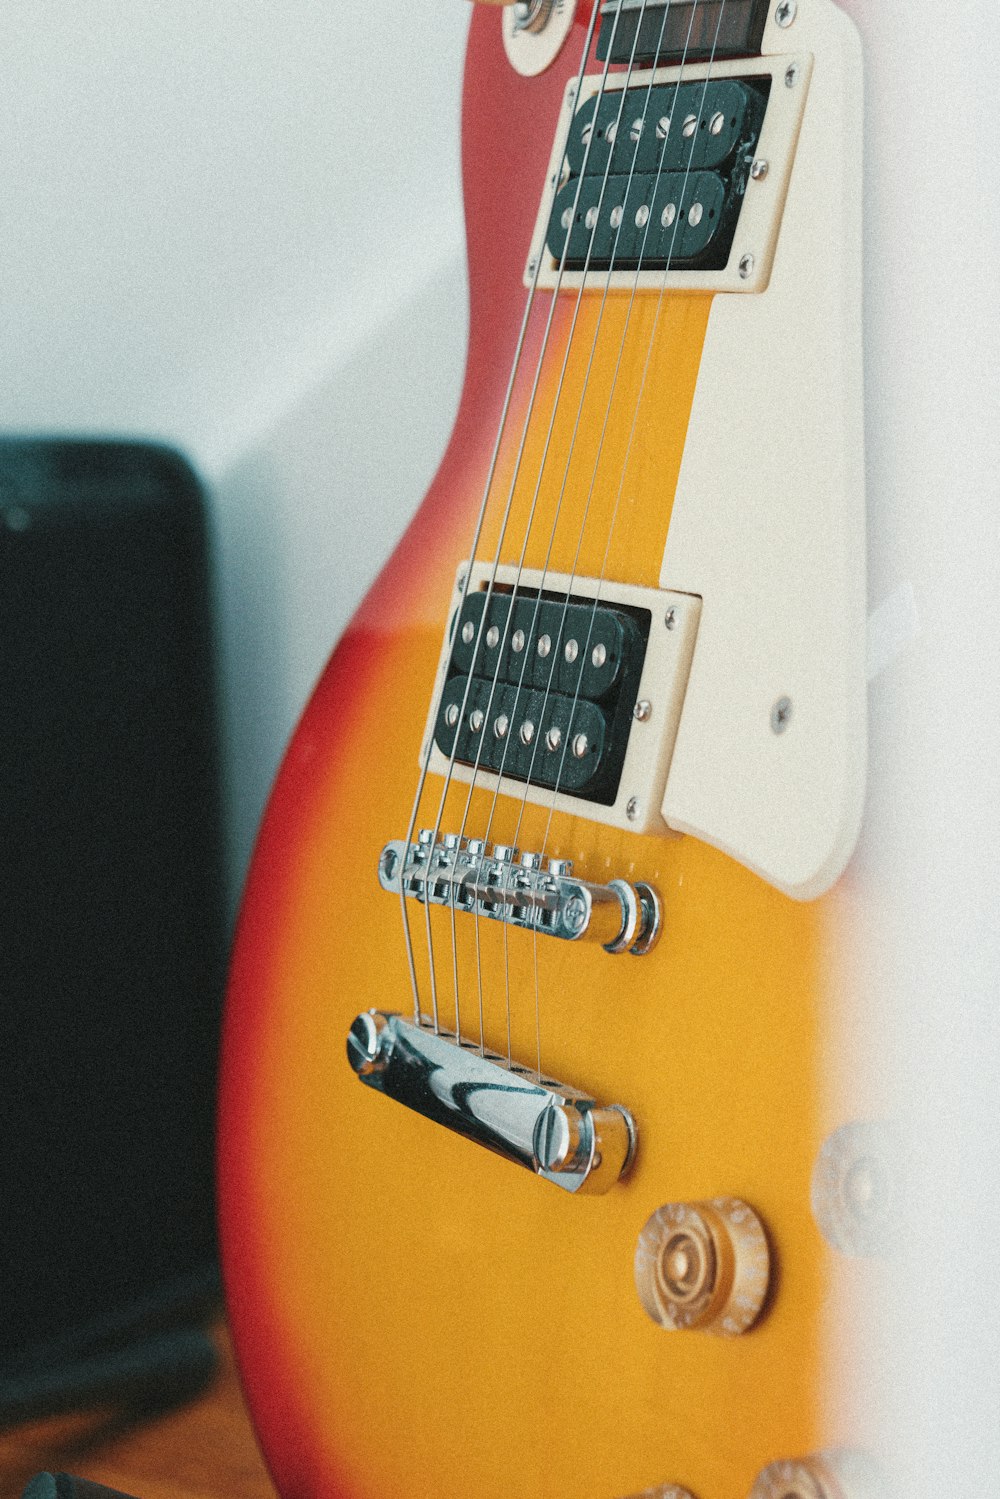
703	1265
664	1491
823	1475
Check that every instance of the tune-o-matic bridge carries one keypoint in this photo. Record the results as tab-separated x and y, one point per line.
557	1132
505	886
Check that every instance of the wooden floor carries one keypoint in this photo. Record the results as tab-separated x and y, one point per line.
204	1451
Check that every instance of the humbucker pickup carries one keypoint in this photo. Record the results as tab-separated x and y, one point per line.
552	690
670	178
561	689
664	174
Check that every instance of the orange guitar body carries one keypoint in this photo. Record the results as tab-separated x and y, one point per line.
416	1318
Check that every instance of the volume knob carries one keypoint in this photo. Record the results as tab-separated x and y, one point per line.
703	1265
842	1474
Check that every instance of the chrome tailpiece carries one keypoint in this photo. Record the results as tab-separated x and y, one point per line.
557	1132
469	876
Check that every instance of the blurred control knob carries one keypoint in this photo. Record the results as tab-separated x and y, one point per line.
824	1475
856	1193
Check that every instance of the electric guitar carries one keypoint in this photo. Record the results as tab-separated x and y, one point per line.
532	1182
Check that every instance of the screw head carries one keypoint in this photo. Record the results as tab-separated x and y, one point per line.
670	618
786	12
781	714
533	265
632	808
574	914
642	710
747	264
759	168
791	75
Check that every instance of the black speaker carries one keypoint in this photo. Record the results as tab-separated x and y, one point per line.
112	906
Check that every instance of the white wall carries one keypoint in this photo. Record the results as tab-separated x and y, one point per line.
237	227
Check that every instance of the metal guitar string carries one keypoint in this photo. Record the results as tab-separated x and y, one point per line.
495	566
530	521
491	471
565	607
638	405
559	504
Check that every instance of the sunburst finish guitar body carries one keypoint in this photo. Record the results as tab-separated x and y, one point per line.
417	1315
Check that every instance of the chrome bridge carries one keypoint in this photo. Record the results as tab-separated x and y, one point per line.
559	1133
504	885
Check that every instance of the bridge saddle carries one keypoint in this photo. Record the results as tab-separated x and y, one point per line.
467	875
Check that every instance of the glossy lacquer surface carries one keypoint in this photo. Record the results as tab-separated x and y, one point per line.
414	1316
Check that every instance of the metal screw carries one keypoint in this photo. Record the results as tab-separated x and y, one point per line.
759	168
571	91
747	264
544	645
476	718
786	12
451	715
468	632
554	737
580	745
632	809
791	75
575	914
670	618
517	641
642	710
460	584
781	714
571	651
532	266
527	731
492	637
501	725
695	214
599	654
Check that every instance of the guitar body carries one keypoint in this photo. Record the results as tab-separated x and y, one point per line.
417	1317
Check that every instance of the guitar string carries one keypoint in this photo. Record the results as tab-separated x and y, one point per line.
537	742
676	85
642	386
477	534
502	640
496	561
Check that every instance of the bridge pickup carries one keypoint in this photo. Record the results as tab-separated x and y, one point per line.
559	1133
562	690
464	874
553	685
